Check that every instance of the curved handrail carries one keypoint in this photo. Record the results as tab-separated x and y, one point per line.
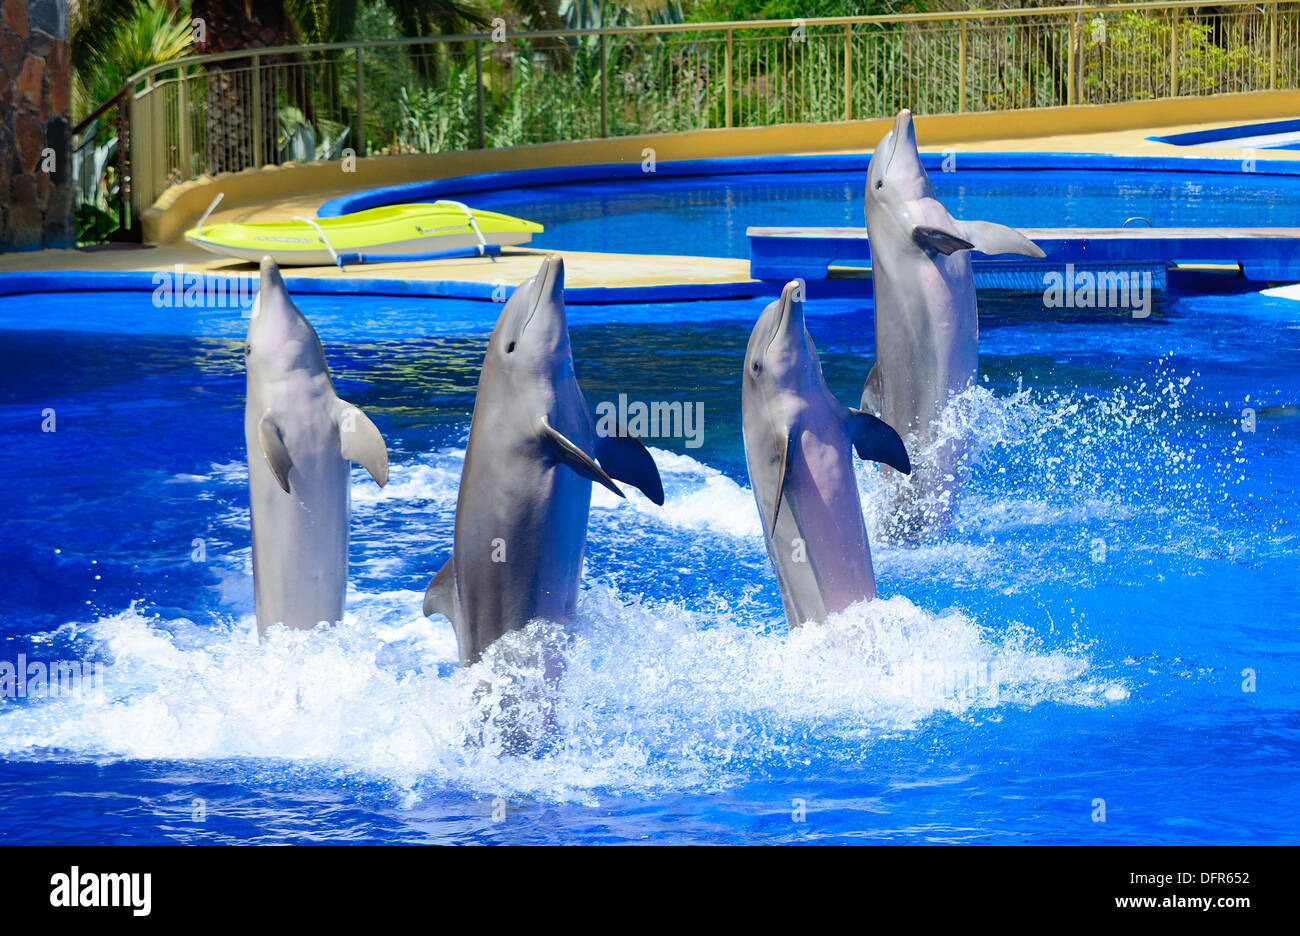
99	111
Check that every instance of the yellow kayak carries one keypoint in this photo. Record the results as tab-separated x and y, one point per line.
385	234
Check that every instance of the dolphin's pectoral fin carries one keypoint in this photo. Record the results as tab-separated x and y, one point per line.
626	459
567	453
872	397
937	240
787	450
440	596
360	442
277	456
991	238
876	440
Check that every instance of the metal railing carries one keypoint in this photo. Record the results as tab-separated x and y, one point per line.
203	115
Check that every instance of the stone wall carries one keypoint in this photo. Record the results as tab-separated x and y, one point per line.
36	193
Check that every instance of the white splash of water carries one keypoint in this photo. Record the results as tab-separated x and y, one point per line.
653	696
1291	291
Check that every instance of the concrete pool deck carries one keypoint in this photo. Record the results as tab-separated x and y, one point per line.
584	269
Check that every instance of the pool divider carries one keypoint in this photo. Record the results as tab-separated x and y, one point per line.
1264	255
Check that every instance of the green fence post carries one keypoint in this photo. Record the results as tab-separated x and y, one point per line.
961	69
726	82
848	71
1173	53
604	88
478	92
184	158
1078	66
257	112
361	105
1272	45
1069	63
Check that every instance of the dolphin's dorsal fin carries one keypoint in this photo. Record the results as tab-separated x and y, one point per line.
872	397
991	238
937	240
876	440
360	442
626	459
788	446
272	443
566	452
440	596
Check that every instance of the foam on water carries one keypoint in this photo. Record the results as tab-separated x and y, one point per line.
696	497
653	697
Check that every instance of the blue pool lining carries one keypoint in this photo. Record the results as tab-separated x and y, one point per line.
760	165
1194	137
97	281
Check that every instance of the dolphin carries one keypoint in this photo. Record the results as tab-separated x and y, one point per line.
798	441
300	438
927	329
525	488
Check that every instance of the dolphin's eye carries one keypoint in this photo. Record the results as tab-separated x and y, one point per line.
248	349
880	183
757	367
510	348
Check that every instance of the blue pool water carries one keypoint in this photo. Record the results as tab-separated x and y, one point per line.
1122	553
707	215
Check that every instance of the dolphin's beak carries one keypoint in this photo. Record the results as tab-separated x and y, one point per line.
551	278
271	278
903	128
789	315
271	283
548	287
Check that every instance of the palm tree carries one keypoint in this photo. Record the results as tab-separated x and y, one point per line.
232	25
114	39
233	89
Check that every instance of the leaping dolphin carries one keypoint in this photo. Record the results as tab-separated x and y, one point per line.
525	488
300	438
798	441
927	329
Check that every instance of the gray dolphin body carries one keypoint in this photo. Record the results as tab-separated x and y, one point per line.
927	329
525	489
300	438
798	447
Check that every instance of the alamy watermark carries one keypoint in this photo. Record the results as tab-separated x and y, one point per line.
77	888
176	289
1104	289
660	419
38	679
963	680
